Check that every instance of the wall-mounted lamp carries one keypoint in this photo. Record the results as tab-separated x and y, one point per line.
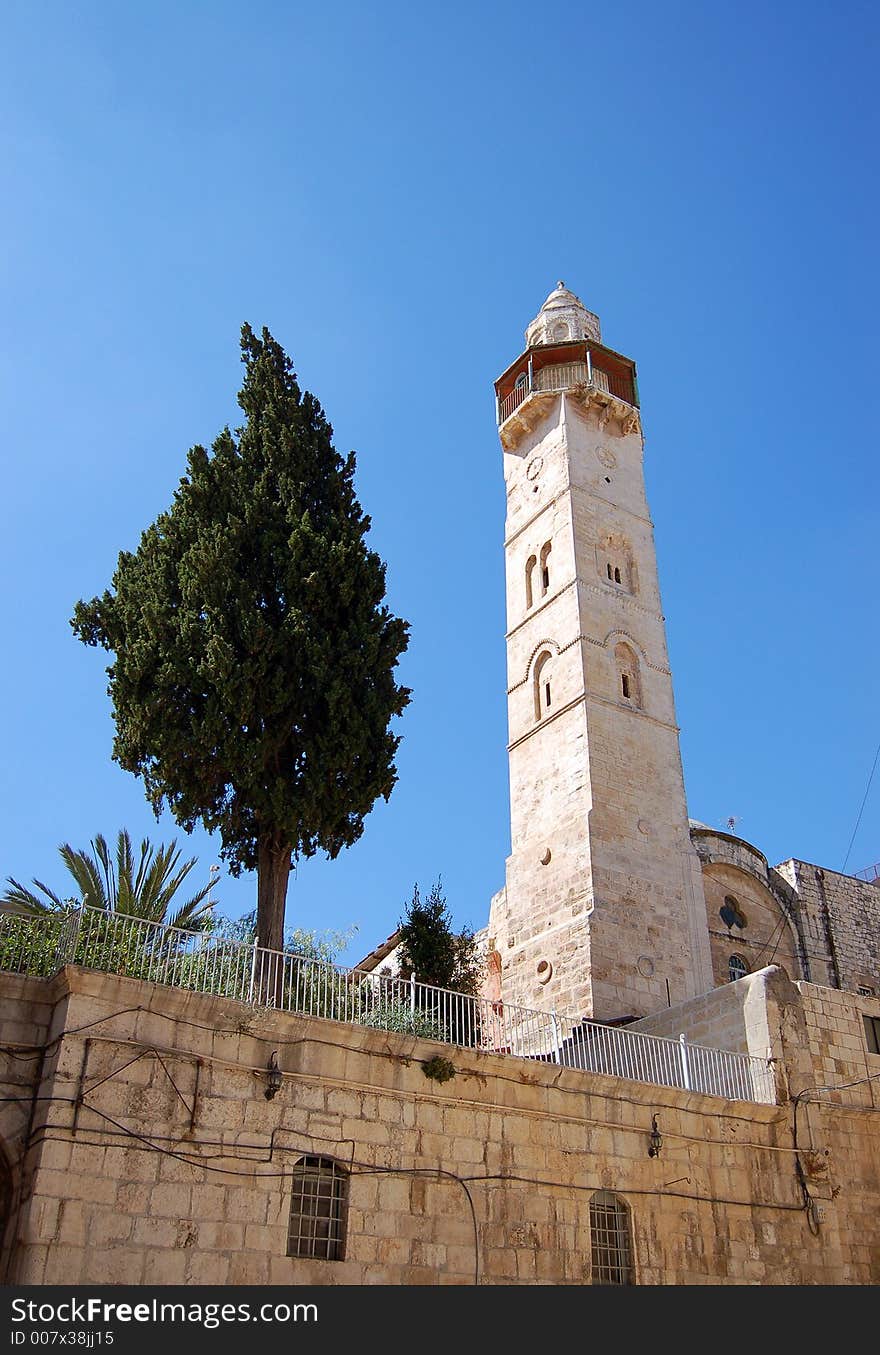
273	1079
656	1138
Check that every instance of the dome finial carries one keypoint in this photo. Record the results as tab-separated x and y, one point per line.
563	318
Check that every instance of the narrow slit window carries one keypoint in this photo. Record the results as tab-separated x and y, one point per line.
543	684
610	574
616	575
545	566
629	686
531	565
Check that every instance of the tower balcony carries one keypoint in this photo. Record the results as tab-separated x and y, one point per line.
527	387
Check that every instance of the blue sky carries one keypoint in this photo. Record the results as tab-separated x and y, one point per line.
394	190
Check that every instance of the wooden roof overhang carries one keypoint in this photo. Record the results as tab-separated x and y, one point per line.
572	350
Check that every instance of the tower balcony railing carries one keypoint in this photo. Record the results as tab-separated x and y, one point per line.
203	962
563	376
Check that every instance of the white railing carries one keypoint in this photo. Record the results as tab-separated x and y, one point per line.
563	376
511	402
204	963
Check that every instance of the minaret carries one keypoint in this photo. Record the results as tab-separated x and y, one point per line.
603	912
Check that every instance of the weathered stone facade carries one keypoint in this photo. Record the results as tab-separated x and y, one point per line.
841	924
142	1149
818	924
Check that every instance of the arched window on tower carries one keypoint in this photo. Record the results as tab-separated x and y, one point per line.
736	968
543	685
560	331
531	566
545	567
615	563
628	684
610	1244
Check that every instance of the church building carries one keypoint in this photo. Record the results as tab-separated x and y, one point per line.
672	1076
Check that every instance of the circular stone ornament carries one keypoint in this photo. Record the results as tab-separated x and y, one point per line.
606	457
645	966
534	468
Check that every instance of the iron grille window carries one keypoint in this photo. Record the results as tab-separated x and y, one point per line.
736	968
609	1237
872	1033
317	1209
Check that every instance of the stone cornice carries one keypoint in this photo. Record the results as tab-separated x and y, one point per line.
551	503
548	720
610	413
633	710
627	599
603	590
582	701
618	507
581	489
589	640
536	611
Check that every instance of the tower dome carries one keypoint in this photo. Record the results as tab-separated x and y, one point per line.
562	317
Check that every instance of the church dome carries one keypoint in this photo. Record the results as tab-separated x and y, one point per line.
562	317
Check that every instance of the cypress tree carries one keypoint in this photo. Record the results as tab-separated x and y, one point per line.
253	674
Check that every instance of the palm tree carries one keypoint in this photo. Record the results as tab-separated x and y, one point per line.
116	886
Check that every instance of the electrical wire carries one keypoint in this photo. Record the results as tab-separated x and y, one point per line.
778	933
862	809
197	1160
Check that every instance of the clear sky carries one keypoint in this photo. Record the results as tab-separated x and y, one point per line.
394	189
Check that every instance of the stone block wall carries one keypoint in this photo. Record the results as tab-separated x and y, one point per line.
153	1155
840	1057
842	918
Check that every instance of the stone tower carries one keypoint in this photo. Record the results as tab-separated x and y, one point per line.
603	912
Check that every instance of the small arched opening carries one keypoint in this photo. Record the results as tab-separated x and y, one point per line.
628	679
543	684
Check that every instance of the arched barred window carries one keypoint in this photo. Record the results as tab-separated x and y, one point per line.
736	968
318	1203
610	1242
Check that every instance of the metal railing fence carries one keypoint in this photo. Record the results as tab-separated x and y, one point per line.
206	963
563	376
